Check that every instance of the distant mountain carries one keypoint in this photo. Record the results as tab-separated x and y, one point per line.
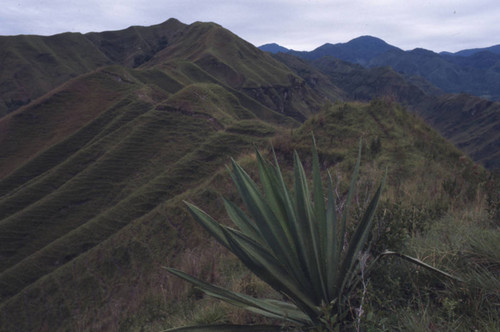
493	49
359	50
273	48
478	73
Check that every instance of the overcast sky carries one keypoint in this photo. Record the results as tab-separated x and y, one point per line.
438	25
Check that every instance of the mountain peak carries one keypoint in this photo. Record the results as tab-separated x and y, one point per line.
273	48
367	40
359	50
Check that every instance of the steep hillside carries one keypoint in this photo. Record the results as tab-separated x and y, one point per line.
478	74
94	172
202	52
467	121
88	254
120	162
471	123
210	53
317	79
56	116
104	149
33	65
365	84
135	45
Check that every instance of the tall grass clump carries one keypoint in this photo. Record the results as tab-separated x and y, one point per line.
296	242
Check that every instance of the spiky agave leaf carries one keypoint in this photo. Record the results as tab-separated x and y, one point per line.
271	230
258	258
309	231
417	261
333	250
228	328
358	240
266	307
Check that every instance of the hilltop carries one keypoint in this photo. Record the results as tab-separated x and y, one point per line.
101	148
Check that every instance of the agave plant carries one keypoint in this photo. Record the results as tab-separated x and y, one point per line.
297	243
294	241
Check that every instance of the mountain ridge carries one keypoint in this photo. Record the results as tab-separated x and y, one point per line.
474	71
36	64
273	47
94	172
472	51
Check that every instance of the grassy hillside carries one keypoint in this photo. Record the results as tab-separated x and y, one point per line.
206	52
103	162
135	45
56	116
119	174
209	53
469	122
106	148
93	175
34	65
128	219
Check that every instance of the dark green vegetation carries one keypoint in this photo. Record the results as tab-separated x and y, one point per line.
292	243
93	173
296	243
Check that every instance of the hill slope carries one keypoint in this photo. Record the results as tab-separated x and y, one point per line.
127	214
34	65
477	74
94	172
467	121
101	150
